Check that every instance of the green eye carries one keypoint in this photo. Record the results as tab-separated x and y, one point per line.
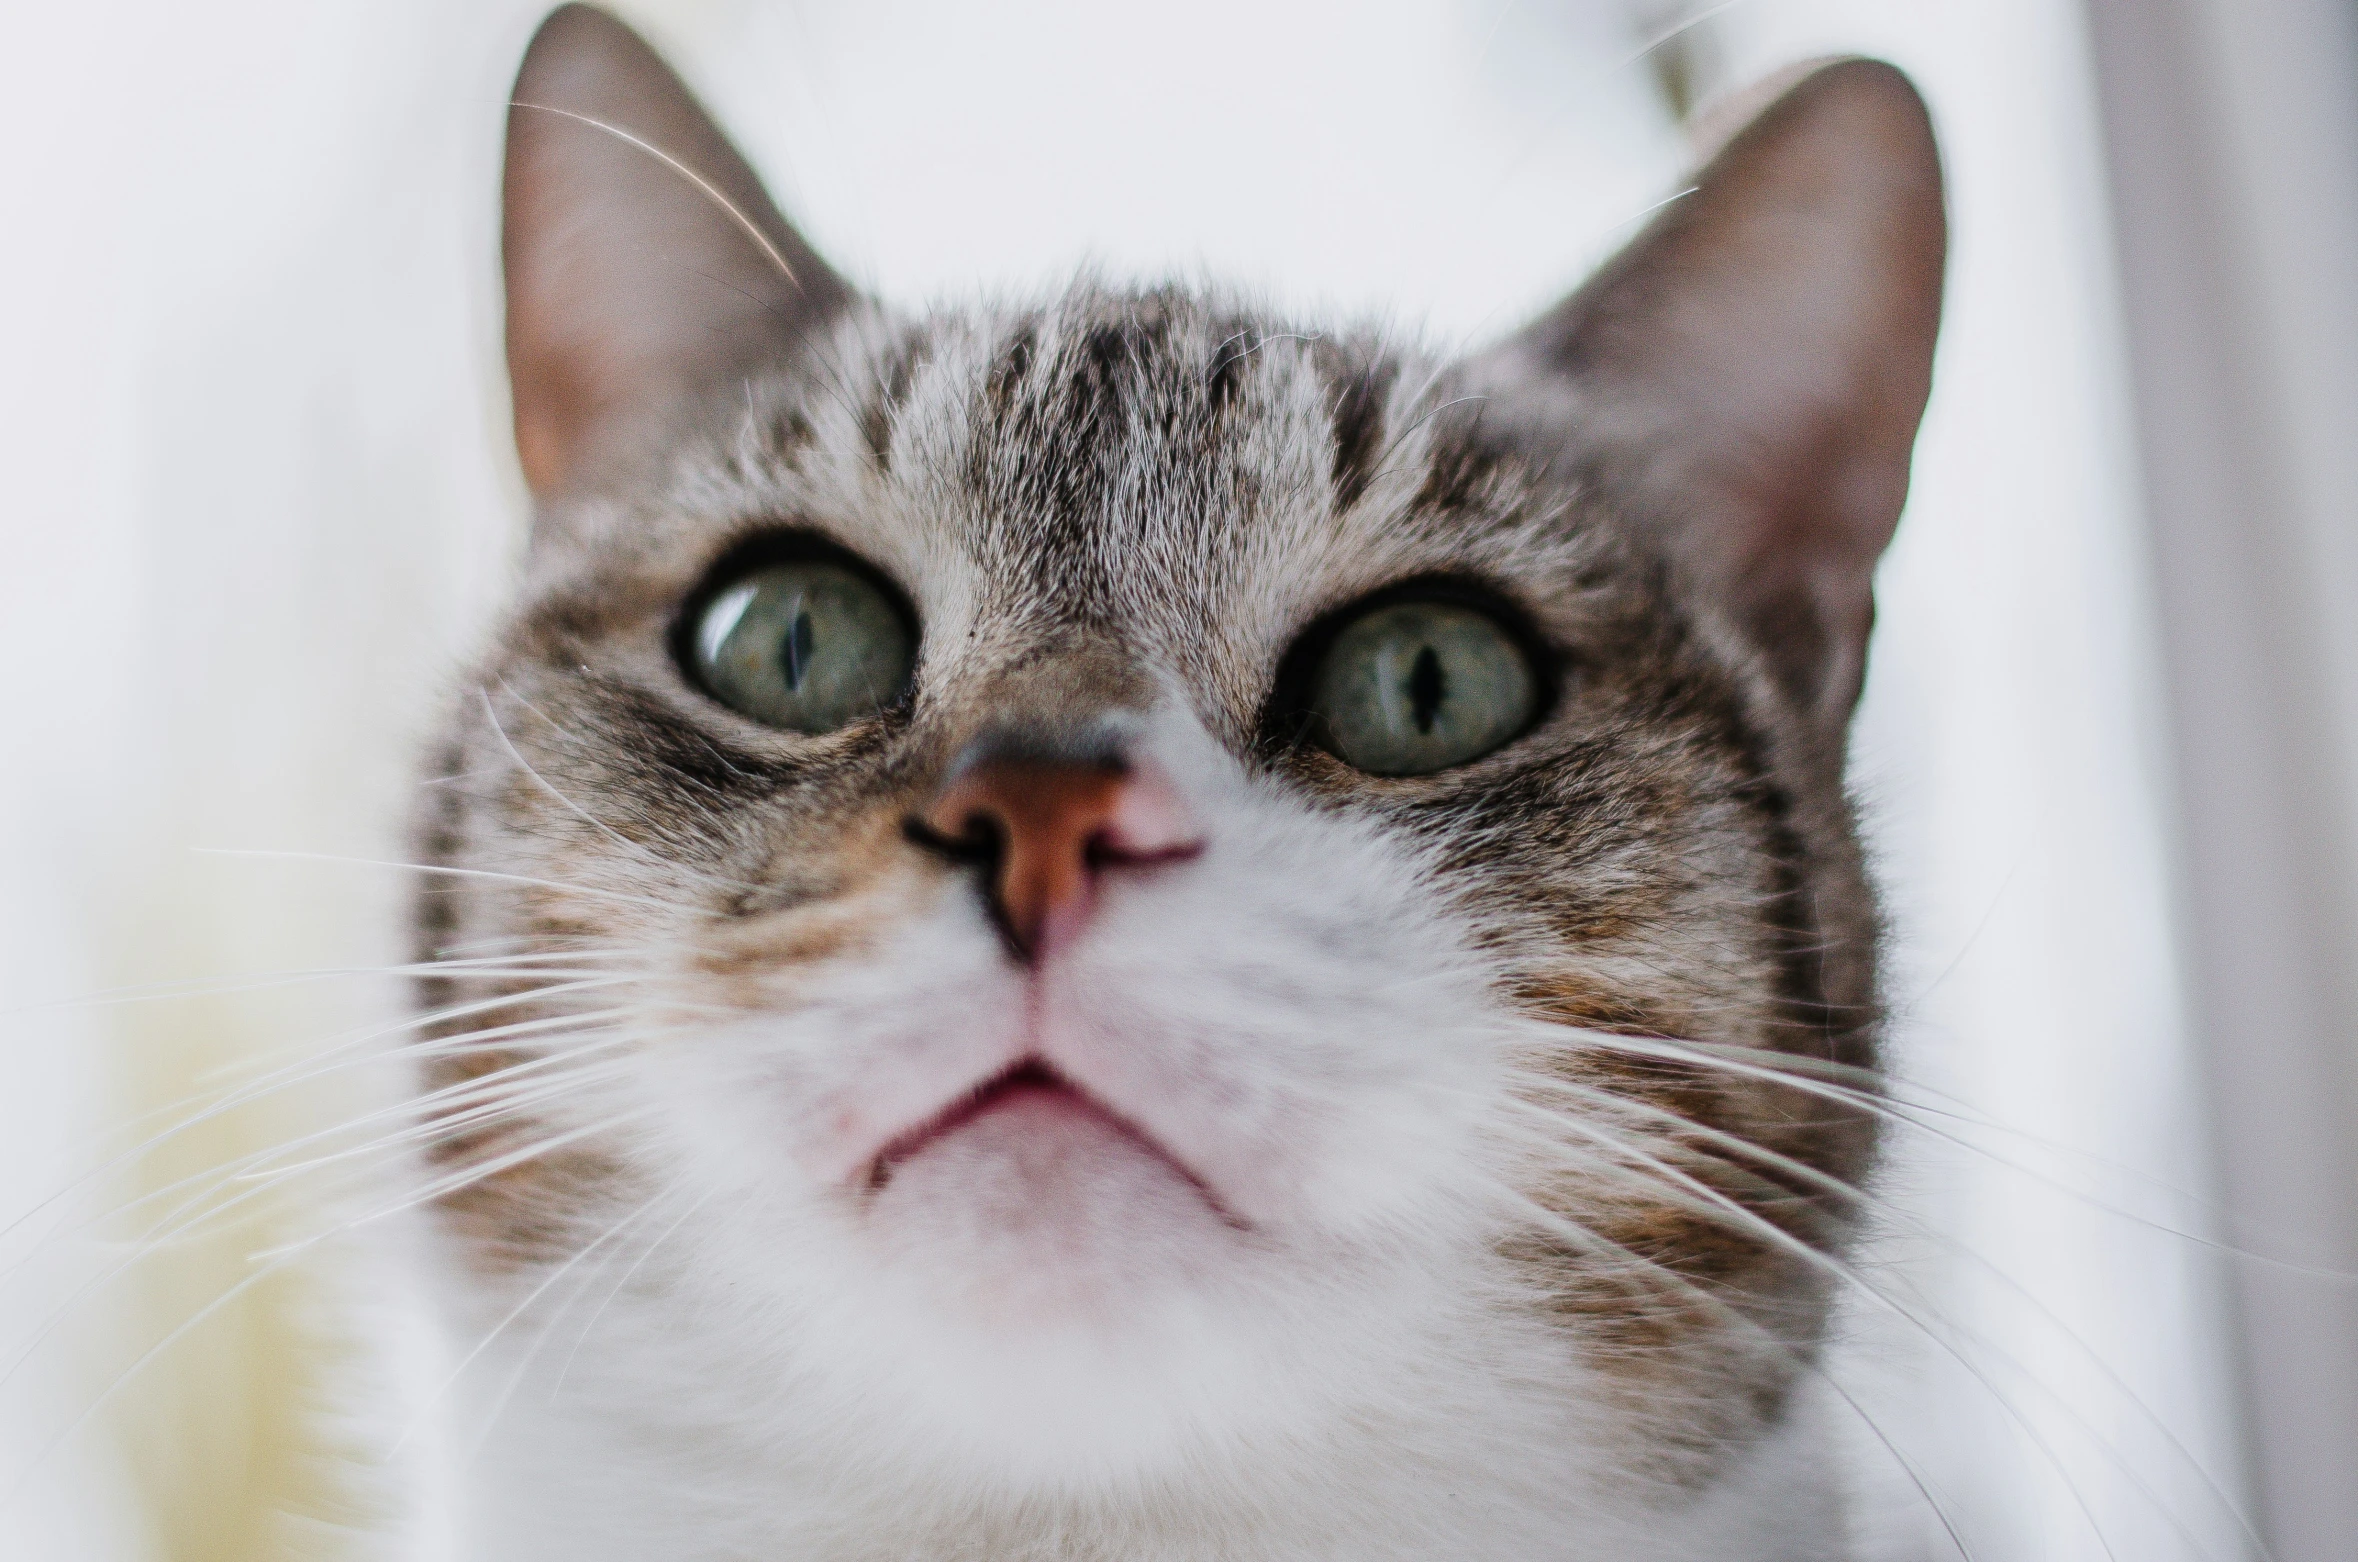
808	646
1417	687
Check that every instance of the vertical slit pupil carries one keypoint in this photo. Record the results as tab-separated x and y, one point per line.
1427	688
796	653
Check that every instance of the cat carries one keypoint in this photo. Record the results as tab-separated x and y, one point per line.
1113	928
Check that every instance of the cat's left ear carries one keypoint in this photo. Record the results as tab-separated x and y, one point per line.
645	264
1747	376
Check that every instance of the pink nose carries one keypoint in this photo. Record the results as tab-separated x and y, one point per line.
1043	831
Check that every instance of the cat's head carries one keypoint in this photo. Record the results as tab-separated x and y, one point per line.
1119	891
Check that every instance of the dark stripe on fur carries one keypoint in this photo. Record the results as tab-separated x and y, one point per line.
892	393
1358	419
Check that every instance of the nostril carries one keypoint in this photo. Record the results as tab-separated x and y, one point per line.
1112	849
1100	850
1147	822
978	837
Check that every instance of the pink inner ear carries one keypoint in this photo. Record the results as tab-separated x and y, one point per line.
1752	369
644	261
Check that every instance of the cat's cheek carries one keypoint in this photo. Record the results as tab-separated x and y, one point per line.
822	1061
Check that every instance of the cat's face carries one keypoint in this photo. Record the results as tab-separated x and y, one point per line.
1159	897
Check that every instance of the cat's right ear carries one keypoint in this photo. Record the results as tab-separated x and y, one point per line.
644	261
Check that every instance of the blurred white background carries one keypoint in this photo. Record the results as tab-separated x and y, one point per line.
256	500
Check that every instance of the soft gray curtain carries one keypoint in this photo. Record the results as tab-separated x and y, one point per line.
2232	133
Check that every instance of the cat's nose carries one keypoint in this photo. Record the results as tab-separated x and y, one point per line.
1043	823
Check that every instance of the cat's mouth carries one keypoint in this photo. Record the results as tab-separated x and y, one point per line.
1045	1101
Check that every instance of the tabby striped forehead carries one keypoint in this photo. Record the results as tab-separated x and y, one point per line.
1181	473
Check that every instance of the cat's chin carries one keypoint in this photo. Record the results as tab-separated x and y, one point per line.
1032	1200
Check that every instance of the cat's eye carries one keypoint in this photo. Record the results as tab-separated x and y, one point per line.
1418	686
807	645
